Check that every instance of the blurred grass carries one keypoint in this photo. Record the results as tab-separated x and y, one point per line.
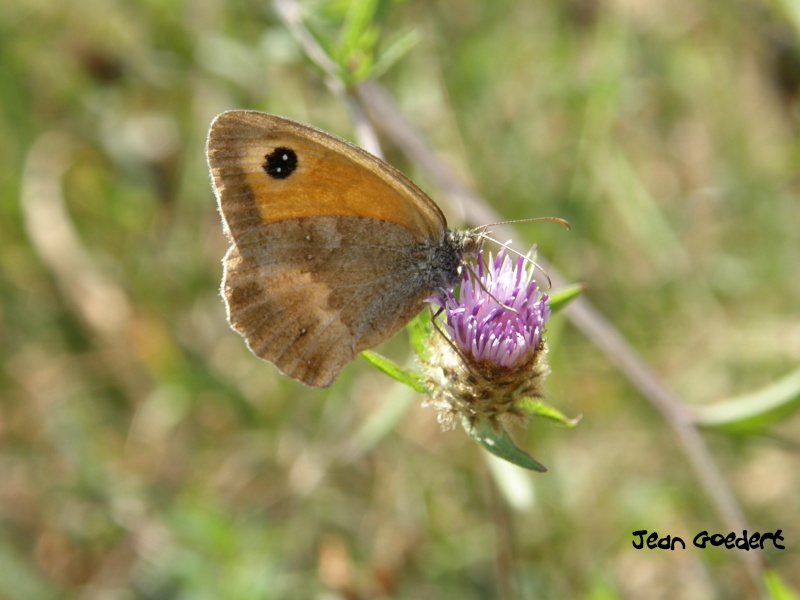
146	454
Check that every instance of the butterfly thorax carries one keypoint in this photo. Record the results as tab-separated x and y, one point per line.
448	258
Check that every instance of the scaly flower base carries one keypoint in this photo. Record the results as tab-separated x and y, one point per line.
494	355
482	391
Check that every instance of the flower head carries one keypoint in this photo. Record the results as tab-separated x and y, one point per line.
497	318
495	358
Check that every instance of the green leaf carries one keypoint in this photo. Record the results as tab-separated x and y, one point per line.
358	39
753	411
410	378
395	50
560	298
358	29
777	587
501	445
419	331
542	409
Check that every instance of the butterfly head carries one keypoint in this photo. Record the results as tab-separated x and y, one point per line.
459	246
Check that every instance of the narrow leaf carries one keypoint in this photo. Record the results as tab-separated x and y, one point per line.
542	409
501	445
419	331
560	298
358	21
410	378
395	50
753	411
777	588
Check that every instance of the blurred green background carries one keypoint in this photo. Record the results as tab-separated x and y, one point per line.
144	453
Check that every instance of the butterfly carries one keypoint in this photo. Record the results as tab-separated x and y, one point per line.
332	249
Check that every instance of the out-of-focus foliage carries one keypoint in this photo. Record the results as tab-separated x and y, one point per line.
144	453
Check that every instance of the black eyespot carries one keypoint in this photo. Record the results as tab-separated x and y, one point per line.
281	163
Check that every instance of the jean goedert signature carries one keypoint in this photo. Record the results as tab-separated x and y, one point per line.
731	541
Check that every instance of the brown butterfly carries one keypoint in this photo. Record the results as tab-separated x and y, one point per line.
332	250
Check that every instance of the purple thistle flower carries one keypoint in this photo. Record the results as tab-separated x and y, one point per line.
495	322
499	320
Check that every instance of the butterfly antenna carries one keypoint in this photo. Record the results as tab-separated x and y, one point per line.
524	257
558	220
